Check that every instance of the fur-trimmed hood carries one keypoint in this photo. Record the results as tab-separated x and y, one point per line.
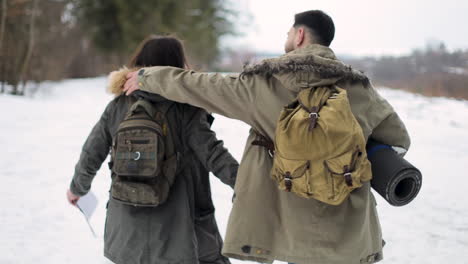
313	65
117	79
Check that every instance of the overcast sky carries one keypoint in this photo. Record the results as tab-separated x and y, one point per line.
363	27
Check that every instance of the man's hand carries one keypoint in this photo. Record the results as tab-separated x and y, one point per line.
72	199
131	84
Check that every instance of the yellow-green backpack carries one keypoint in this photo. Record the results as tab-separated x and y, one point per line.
320	149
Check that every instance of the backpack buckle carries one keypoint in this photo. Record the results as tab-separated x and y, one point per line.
288	181
138	155
271	153
313	120
348	179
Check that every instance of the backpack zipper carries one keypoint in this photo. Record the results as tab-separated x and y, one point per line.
139	141
155	129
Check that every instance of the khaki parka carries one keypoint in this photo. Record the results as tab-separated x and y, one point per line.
267	224
183	230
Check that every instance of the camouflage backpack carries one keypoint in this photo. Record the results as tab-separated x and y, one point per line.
144	158
319	147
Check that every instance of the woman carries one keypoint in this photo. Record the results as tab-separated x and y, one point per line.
183	229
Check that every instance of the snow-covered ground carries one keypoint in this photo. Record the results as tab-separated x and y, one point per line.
41	138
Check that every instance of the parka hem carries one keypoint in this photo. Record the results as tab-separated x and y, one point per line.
232	251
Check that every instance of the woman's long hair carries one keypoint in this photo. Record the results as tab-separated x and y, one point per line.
159	51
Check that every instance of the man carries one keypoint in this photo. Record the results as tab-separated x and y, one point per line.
268	224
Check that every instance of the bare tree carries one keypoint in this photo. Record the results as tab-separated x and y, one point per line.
30	47
2	33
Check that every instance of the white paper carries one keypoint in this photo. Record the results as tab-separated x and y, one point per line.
87	205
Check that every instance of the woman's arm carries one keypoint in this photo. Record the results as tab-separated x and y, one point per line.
94	152
209	150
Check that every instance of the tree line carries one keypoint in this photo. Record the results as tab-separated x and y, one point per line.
57	39
432	71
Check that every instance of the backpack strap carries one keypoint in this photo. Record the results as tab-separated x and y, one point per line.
171	148
143	104
173	160
164	107
265	142
312	100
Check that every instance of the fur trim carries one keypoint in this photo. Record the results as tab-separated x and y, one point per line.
324	68
116	81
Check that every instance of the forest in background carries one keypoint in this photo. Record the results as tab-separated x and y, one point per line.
432	71
60	39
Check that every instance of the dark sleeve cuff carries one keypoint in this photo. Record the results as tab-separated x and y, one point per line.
75	190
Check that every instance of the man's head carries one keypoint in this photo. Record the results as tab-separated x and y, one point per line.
310	27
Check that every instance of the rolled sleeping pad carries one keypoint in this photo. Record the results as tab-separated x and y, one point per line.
394	178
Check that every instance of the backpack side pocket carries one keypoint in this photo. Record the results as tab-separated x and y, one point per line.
346	172
292	175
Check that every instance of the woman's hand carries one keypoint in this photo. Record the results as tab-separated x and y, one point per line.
72	199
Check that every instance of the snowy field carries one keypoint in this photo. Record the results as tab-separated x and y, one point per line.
41	138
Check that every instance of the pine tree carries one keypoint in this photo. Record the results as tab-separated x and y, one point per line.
117	26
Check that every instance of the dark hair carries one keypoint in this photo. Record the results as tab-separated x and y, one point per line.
159	51
320	24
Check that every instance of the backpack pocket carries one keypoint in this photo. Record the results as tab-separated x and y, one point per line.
292	175
137	154
139	193
346	173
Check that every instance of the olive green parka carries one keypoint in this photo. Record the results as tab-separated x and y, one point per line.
183	229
